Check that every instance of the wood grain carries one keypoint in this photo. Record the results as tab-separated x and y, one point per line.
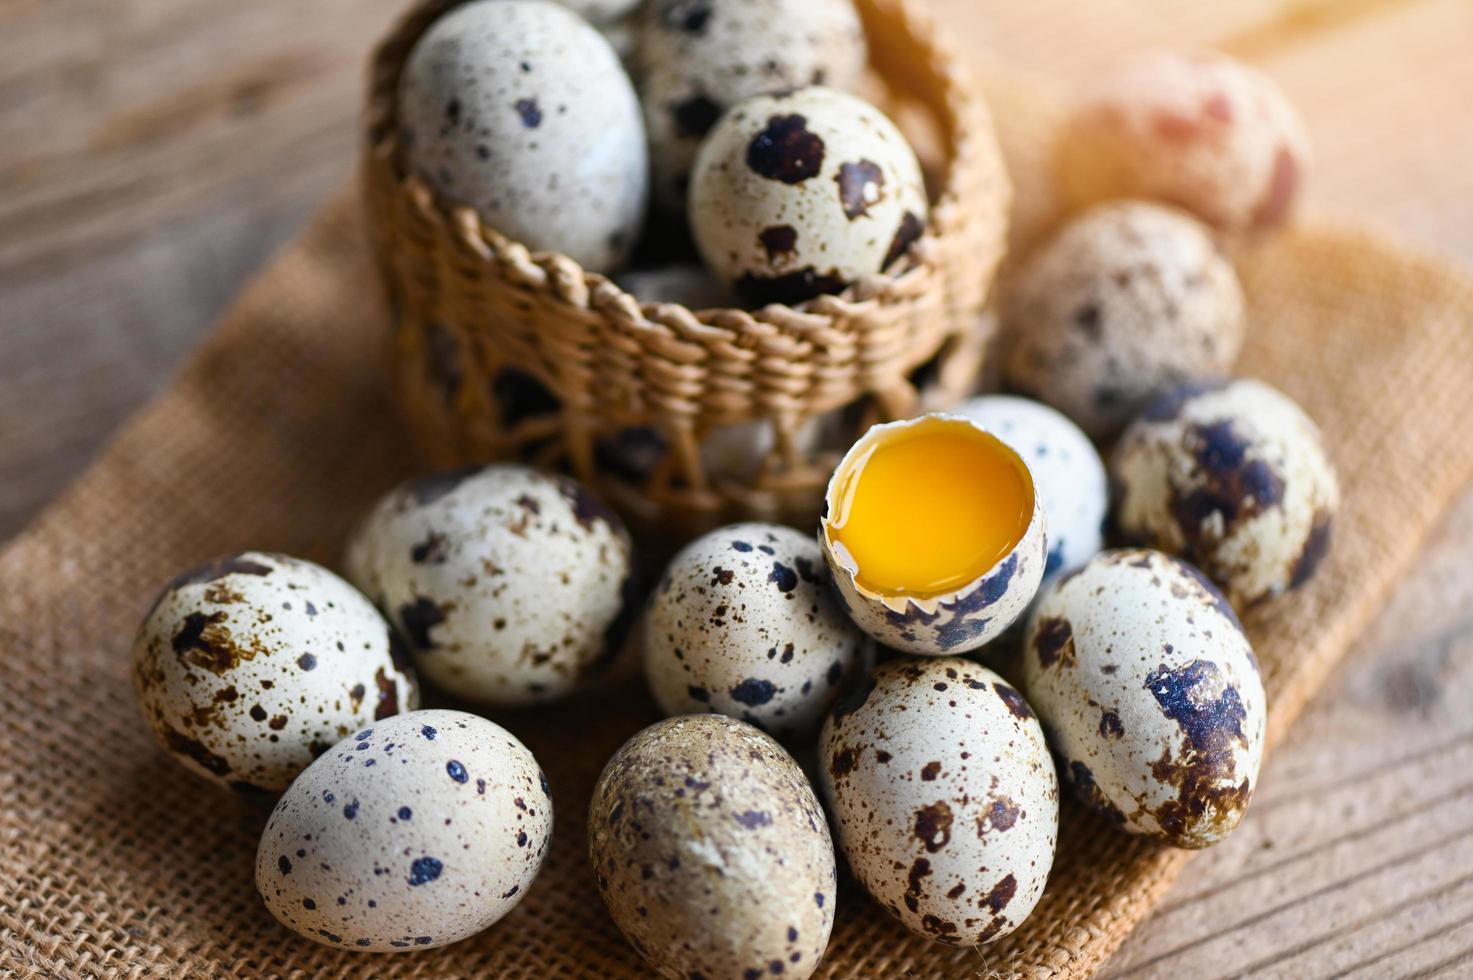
153	152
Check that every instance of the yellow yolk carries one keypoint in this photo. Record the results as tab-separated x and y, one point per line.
930	508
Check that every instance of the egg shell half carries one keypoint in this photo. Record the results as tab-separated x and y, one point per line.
953	622
508	583
522	111
1233	477
944	796
744	623
712	853
249	667
1150	694
416	832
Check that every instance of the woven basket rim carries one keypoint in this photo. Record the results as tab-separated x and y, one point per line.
962	115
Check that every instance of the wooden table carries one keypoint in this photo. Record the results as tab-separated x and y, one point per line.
154	152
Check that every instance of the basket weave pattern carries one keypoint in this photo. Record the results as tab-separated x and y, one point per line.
470	303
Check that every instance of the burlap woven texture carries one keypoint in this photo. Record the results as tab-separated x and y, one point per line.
116	862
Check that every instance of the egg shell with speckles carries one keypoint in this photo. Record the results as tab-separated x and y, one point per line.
416	832
508	583
697	58
1233	477
1127	301
1196	129
1150	693
744	623
1066	469
522	111
712	853
250	666
601	12
944	796
797	195
958	621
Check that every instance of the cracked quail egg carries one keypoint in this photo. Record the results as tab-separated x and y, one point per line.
1150	694
1231	476
508	582
1067	470
697	58
744	623
522	111
934	534
800	194
419	831
944	797
712	853
249	667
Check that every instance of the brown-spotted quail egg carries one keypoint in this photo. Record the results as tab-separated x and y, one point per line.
507	582
249	667
944	797
1150	694
698	58
799	194
744	623
1197	130
1128	300
417	832
1232	477
1066	469
712	852
522	111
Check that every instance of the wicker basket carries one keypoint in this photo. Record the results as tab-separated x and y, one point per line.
505	353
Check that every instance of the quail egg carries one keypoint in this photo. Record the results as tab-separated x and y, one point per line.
601	12
934	534
799	194
744	623
1128	300
944	797
697	58
249	667
712	853
1150	694
522	111
1067	470
1198	130
508	582
419	831
1232	477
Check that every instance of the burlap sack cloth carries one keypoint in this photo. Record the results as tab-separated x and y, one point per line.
279	433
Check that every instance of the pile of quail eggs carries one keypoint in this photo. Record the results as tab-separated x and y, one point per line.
926	773
734	118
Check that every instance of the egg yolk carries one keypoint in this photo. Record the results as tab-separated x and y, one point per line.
930	508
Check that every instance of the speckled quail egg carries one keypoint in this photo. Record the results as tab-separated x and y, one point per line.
800	194
698	58
1198	130
508	582
944	797
743	622
712	852
601	12
1150	694
249	667
417	832
934	534
1067	470
1233	477
1128	300
522	111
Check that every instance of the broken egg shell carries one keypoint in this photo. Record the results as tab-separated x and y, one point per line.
1150	694
957	621
250	666
712	853
1233	477
416	832
944	797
